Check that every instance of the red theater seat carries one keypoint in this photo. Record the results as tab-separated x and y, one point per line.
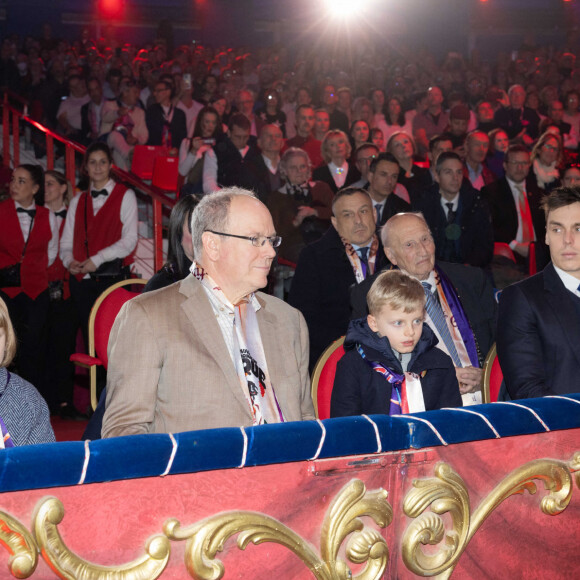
103	315
323	378
166	174
144	159
492	376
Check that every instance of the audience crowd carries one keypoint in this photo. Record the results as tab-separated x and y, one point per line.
334	152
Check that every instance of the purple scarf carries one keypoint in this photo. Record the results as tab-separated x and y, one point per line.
460	319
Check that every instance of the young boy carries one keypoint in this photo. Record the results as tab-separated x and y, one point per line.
391	365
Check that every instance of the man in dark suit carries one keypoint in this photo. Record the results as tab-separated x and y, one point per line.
166	124
457	215
515	206
261	173
327	269
519	122
382	175
223	163
538	334
464	293
91	112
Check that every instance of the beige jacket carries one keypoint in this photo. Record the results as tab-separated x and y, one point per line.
170	369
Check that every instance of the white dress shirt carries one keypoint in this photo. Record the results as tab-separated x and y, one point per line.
338	173
121	248
25	220
570	282
516	196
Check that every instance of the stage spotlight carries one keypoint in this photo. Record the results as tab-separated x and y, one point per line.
346	8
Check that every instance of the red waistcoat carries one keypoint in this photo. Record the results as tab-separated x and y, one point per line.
102	230
33	271
57	271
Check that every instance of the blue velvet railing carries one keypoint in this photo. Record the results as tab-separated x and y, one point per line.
61	464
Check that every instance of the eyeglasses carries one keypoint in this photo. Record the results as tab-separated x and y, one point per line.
257	241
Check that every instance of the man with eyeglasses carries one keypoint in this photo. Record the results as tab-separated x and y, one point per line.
516	214
362	158
166	123
211	351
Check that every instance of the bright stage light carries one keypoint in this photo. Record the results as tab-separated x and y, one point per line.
346	8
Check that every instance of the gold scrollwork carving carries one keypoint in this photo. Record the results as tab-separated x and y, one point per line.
67	565
575	467
447	493
20	544
207	537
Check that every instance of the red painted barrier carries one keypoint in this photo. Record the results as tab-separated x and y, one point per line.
304	514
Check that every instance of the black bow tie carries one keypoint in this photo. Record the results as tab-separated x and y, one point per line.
61	213
97	192
30	212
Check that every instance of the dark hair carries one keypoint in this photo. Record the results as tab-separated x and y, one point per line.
446	156
347	192
61	180
400	119
239	120
437	139
383	157
569	166
92	148
300	107
207	110
359	121
181	211
369	145
37	174
560	197
512	149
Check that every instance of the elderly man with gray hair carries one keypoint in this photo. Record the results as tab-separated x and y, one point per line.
301	208
210	351
460	306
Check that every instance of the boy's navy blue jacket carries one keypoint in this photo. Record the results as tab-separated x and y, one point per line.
359	389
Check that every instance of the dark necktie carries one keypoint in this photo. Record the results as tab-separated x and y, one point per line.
450	213
379	208
97	192
363	254
30	212
61	213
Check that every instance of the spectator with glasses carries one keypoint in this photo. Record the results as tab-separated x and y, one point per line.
211	351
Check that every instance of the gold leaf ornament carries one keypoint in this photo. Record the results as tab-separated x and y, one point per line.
206	538
21	546
68	565
447	493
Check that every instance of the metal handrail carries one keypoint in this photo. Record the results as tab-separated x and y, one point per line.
158	198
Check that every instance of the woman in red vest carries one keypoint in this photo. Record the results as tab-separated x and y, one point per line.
100	233
58	385
28	246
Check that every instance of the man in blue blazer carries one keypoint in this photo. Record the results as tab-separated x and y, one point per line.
538	335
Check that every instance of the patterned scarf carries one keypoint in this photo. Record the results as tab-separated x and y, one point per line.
461	331
545	174
251	366
301	193
355	262
406	390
